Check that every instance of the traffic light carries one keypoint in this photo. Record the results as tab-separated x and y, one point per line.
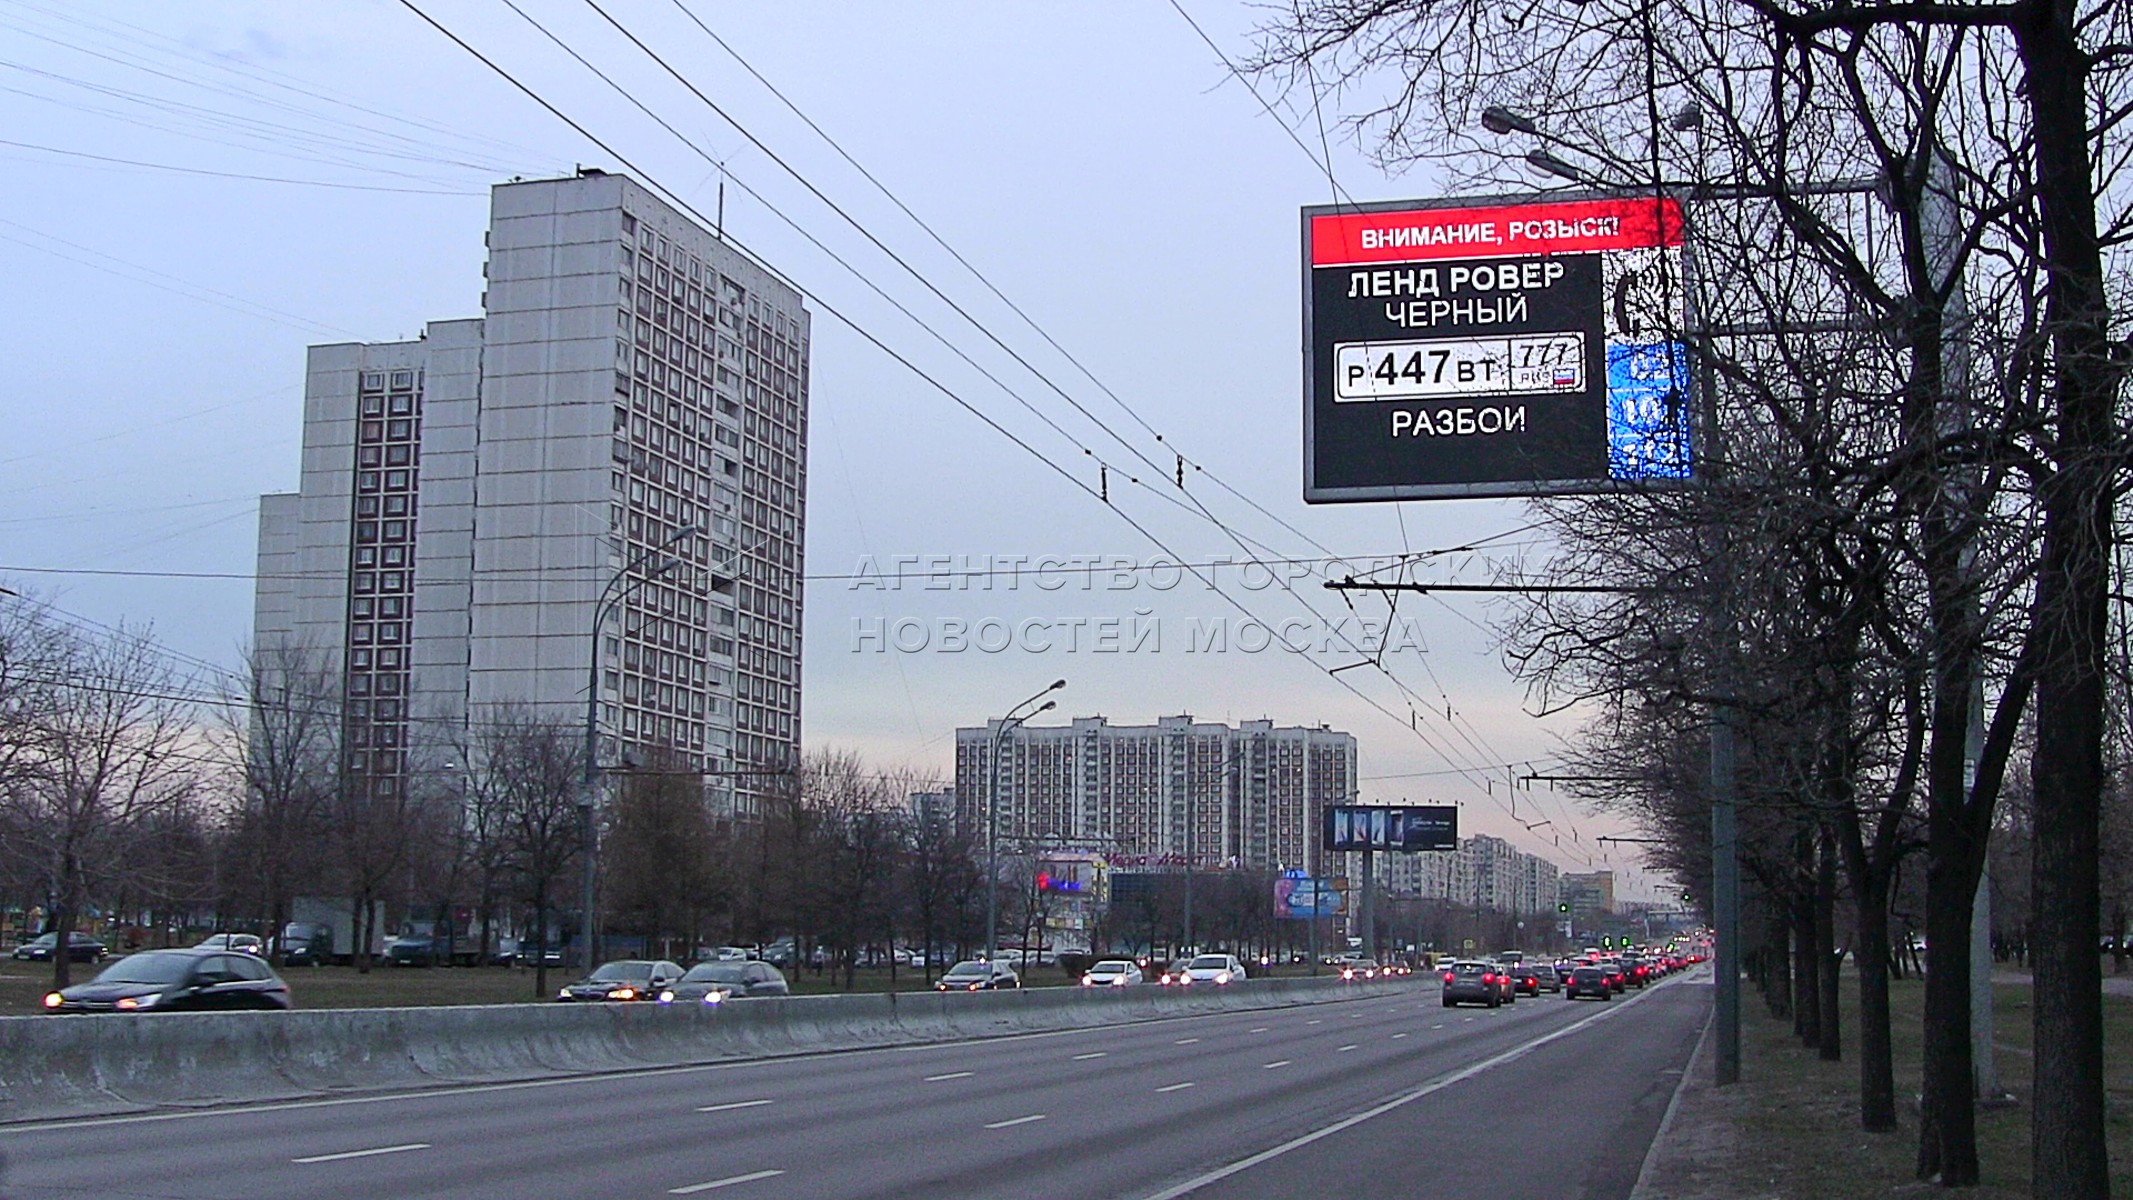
1687	896
1563	908
1607	941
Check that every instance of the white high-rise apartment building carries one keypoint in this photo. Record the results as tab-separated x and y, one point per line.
1251	795
1485	872
466	498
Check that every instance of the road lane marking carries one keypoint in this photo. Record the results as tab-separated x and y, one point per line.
733	1105
319	1158
1396	1037
1438	1025
1345	1049
949	1075
1189	1186
1260	1029
1279	1062
1175	1087
1467	1018
1185	1041
1314	1022
1015	1121
729	1181
1090	1055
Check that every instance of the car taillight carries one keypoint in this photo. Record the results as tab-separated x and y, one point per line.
1447	977
1488	979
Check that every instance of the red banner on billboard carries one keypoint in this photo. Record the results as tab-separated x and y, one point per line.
1561	227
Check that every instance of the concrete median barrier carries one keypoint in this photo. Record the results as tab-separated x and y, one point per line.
54	1067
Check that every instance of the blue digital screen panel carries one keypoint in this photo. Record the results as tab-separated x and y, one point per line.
1648	411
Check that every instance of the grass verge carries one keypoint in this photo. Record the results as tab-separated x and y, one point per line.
1790	1128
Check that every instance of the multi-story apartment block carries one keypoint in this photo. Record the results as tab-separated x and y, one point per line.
1245	796
467	498
1485	872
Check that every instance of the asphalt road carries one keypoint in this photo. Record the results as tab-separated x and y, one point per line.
1545	1098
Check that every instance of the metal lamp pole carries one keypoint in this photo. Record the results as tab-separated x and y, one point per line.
588	827
1015	716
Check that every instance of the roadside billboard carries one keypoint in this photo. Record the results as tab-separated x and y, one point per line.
1499	347
1390	827
1301	897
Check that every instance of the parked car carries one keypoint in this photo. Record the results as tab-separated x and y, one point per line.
977	975
1112	972
176	980
242	943
717	981
626	979
1469	981
80	948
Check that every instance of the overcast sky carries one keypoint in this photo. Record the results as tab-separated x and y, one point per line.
1096	162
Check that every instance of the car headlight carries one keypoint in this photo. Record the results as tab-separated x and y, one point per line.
1222	978
562	994
666	997
1118	981
52	999
622	993
1087	982
714	996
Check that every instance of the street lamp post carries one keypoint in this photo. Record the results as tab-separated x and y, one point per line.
1015	716
588	826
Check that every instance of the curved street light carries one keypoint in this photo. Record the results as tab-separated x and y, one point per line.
1015	716
589	828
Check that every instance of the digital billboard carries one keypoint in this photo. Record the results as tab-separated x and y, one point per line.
1389	827
1505	347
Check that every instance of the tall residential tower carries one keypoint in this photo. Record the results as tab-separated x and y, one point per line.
467	496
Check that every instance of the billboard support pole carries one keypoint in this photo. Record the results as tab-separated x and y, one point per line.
1369	908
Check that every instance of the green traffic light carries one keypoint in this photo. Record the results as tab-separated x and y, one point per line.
1562	908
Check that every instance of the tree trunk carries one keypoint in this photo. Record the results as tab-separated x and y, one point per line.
1947	1125
1877	1064
2067	1120
62	931
1829	962
1806	990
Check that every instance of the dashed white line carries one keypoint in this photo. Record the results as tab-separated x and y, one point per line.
735	1104
1279	1062
950	1075
1175	1087
1015	1121
729	1181
1438	1025
1091	1054
319	1158
1314	1022
1346	1048
1396	1037
1259	1029
1185	1041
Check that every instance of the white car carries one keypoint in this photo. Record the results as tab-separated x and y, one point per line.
1112	972
1217	969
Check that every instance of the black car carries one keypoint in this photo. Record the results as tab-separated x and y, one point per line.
1587	981
977	975
177	981
81	948
626	979
725	981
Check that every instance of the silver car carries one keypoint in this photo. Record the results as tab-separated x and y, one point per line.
1112	972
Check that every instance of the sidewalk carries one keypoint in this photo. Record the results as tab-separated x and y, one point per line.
1696	1152
2113	985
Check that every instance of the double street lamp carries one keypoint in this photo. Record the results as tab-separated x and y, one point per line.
618	588
1015	716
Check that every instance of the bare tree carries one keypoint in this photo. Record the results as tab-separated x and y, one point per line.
529	766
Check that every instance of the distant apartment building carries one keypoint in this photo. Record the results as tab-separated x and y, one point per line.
1485	872
931	807
467	497
1591	898
1248	795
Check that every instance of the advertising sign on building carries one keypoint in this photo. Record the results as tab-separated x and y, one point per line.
1388	827
1509	347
